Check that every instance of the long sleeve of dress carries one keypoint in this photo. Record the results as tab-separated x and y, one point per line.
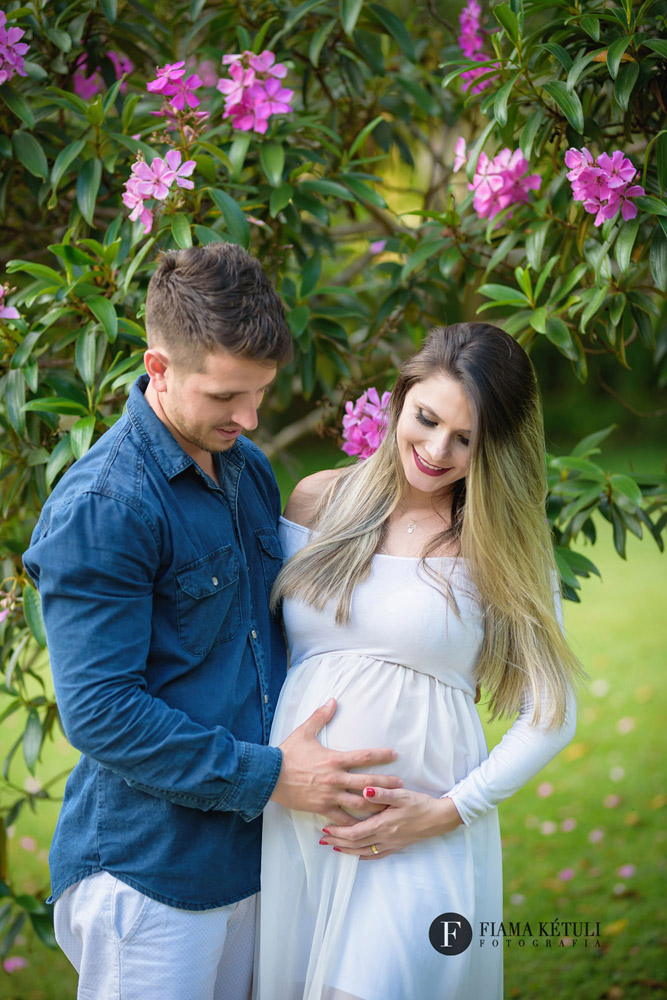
521	754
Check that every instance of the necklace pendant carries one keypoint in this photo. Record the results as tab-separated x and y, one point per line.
411	527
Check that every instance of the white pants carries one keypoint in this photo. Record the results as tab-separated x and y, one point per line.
127	946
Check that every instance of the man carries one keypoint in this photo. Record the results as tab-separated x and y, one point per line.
155	556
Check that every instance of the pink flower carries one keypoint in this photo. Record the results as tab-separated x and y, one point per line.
271	98
133	200
266	63
501	183
87	86
568	825
626	871
545	789
167	77
460	153
566	874
595	836
611	801
365	423
12	50
254	92
618	168
3	614
377	246
14	963
180	172
170	83
471	38
6	312
155	180
28	844
603	185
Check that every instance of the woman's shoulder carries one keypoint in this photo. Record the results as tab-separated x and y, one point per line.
303	503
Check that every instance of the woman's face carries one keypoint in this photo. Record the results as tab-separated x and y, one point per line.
433	434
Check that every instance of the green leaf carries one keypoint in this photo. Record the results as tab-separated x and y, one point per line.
503	293
30	153
32	740
32	609
61	39
395	27
55	404
615	52
81	435
310	275
16	103
564	569
425	251
60	456
104	311
625	241
501	98
237	154
205	235
529	131
279	198
559	334
297	319
349	12
569	103
87	186
363	192
658	259
365	132
589	444
625	84
627	487
272	159
180	228
538	319
559	52
588	470
318	40
37	270
330	189
658	45
71	255
110	10
593	306
43	926
235	220
535	244
591	25
85	354
507	19
650	204
14	399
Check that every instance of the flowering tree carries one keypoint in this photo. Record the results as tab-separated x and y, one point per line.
533	137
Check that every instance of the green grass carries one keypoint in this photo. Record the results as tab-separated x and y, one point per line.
620	633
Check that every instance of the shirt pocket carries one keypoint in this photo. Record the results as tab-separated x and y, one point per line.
208	607
271	556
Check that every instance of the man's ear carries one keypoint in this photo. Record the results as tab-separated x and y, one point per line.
157	363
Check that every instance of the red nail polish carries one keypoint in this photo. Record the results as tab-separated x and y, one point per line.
336	848
328	832
369	792
324	842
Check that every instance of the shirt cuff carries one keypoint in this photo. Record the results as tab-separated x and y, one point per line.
257	777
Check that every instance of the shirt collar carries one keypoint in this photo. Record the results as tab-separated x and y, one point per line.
161	443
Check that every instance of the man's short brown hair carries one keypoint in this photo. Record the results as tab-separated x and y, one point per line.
215	298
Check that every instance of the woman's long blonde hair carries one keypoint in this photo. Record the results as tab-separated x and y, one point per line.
498	520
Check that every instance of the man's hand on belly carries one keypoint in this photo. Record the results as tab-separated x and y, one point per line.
315	779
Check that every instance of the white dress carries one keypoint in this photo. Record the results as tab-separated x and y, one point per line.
332	927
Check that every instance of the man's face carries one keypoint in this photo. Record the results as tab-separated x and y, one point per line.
206	411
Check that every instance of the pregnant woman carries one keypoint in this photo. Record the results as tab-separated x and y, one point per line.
413	578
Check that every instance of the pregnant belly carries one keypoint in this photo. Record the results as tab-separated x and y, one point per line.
384	705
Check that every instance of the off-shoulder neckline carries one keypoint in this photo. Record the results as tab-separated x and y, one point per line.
378	555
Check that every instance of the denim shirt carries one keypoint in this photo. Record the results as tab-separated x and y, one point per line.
166	662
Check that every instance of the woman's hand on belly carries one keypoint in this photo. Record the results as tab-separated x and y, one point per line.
406	817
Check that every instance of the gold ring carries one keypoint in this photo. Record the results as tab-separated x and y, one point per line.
374	849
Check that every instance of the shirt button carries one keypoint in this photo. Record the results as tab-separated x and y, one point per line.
266	699
253	634
214	581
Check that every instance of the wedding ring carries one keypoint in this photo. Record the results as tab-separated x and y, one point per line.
374	849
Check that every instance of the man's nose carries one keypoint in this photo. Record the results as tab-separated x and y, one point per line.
245	414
